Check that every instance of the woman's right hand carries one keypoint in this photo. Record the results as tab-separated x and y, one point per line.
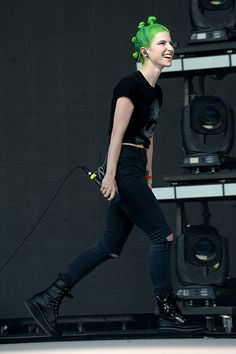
123	111
109	187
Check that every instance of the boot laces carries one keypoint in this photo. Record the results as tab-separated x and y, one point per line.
58	300
172	309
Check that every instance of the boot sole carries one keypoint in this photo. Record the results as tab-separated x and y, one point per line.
40	319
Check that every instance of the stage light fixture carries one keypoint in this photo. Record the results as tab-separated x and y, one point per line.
203	246
202	262
207	133
212	21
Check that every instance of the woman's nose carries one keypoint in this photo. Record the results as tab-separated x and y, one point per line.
170	47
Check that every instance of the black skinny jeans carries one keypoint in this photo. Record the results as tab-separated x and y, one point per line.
136	205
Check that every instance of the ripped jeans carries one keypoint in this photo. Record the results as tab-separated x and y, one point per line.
136	205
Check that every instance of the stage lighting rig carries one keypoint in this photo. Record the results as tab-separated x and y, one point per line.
212	21
202	263
207	134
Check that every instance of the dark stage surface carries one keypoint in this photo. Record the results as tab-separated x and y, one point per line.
137	326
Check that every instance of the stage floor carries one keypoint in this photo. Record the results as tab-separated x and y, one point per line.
136	346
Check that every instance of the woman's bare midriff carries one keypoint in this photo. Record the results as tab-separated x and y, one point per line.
138	146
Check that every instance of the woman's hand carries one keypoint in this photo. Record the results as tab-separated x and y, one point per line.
109	187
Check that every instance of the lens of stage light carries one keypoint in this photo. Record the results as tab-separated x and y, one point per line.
217	2
210	118
205	250
211	4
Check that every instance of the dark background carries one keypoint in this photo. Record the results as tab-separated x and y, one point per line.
59	61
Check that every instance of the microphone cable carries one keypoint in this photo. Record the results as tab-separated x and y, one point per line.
92	176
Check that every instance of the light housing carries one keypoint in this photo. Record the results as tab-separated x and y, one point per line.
202	257
212	21
207	132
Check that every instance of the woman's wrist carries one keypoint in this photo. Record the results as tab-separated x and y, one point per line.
111	172
148	178
148	175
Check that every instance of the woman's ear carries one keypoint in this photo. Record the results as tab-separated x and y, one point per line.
144	52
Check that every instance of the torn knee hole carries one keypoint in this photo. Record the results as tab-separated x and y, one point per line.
170	238
113	255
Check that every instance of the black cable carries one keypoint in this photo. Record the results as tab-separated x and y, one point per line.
44	212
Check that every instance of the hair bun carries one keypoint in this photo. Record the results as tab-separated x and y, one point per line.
151	20
141	25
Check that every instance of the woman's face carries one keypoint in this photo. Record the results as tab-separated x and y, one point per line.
161	50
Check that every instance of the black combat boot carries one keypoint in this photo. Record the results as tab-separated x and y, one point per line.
44	306
171	318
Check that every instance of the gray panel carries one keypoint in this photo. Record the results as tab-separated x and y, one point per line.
207	62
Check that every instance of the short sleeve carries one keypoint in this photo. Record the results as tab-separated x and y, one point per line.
127	87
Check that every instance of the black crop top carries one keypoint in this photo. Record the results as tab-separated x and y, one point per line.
146	100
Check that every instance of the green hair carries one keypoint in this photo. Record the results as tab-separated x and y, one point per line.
145	35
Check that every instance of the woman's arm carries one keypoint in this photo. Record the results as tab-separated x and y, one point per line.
123	111
149	163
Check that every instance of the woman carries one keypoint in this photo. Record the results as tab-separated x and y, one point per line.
134	113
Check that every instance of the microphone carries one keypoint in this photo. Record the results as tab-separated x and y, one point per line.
92	176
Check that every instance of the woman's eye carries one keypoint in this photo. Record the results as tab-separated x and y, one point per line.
164	43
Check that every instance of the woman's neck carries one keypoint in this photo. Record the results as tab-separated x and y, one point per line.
151	74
